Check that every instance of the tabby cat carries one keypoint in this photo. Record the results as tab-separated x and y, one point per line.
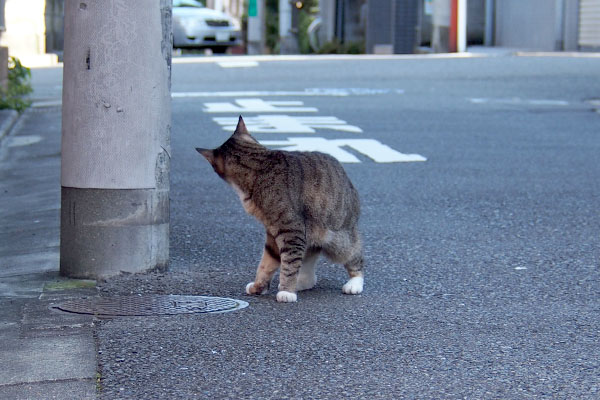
306	203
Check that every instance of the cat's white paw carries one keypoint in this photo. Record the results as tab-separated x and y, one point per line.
286	297
354	285
250	287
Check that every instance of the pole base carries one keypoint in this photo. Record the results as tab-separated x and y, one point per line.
288	45
106	232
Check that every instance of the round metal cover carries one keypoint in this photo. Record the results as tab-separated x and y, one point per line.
132	306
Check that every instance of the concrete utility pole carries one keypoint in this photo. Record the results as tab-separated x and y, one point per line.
3	50
256	27
115	137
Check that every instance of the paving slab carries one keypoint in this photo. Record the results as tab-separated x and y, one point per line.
45	354
61	390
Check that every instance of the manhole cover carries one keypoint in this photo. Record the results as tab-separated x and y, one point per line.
131	306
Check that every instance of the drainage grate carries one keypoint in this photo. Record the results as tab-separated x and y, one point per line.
137	306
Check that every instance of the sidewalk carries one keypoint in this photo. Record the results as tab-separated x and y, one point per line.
44	354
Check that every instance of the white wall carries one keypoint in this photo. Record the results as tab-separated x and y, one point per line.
25	34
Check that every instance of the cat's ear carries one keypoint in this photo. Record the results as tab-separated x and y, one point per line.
241	129
207	153
241	132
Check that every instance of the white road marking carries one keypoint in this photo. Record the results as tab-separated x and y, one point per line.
238	64
47	103
316	92
519	101
325	92
371	148
287	124
18	141
568	54
270	123
323	57
256	105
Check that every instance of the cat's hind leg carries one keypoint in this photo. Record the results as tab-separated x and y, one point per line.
266	268
307	277
346	248
355	268
356	281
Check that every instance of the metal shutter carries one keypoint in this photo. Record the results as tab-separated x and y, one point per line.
405	26
379	26
589	23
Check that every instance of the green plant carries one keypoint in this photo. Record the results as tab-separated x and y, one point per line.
356	47
18	86
304	20
272	26
335	47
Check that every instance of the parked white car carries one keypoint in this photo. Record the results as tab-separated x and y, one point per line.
195	26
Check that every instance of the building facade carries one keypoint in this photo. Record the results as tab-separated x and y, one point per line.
400	26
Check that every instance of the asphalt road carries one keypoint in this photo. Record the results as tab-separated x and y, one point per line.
482	263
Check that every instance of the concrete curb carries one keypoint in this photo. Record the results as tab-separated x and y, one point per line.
8	118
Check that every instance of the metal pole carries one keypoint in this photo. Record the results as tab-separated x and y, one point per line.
453	30
115	138
461	31
339	20
559	25
488	38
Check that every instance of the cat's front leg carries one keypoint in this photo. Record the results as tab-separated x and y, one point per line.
269	263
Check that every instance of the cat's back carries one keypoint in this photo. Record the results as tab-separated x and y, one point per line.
322	188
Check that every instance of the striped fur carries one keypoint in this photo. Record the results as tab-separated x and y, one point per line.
306	203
